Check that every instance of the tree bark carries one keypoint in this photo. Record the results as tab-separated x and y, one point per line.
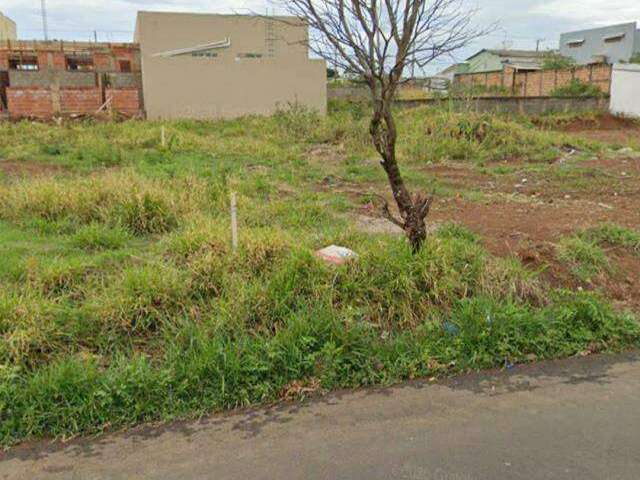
414	210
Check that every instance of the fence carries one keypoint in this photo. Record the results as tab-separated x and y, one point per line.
542	83
514	105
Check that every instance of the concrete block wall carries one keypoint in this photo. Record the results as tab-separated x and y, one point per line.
625	90
51	78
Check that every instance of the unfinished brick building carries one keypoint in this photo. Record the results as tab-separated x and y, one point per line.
56	78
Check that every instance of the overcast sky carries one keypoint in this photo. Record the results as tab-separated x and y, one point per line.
521	22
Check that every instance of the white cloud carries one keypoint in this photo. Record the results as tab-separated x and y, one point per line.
596	12
114	20
522	22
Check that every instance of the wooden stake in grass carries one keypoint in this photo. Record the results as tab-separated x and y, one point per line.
234	221
163	137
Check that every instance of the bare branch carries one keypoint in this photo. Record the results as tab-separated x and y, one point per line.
378	40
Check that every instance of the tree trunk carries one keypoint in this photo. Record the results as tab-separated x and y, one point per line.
415	228
414	210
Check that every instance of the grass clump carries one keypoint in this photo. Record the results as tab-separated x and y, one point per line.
586	258
613	235
96	236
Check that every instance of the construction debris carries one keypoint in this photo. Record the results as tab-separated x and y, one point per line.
336	255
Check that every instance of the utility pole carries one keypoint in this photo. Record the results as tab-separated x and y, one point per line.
45	27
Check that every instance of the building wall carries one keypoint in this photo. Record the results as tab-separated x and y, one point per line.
7	28
53	89
625	90
594	44
229	85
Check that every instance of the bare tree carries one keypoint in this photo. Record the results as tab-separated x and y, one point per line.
378	40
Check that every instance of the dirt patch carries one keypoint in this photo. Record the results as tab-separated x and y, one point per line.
507	225
624	284
372	224
29	169
612	137
604	121
604	128
327	153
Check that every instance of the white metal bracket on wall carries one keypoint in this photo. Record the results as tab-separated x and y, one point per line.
226	43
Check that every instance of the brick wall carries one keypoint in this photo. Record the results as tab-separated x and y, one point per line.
104	62
80	101
125	100
536	84
4	60
24	102
54	90
45	103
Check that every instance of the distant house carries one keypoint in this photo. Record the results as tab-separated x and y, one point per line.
613	44
487	60
450	72
7	28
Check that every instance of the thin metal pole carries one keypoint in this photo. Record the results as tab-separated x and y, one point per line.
45	27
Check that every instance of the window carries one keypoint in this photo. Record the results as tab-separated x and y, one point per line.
575	43
614	38
80	63
24	63
204	54
125	66
249	55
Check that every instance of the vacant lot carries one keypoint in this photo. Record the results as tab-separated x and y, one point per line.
122	302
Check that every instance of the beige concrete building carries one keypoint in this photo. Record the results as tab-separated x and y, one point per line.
7	28
225	66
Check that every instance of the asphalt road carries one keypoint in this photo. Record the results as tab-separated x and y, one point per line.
575	419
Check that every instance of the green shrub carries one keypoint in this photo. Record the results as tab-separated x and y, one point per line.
555	61
577	88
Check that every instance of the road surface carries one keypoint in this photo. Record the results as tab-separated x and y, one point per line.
573	419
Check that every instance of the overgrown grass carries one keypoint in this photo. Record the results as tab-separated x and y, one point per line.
121	300
586	258
609	234
435	136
